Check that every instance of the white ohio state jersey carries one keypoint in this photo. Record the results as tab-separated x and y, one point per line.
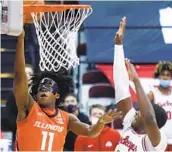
165	101
131	141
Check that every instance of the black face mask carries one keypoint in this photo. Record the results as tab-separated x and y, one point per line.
71	108
48	85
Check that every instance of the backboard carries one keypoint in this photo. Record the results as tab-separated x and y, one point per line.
11	17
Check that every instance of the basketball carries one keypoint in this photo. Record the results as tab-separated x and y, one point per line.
27	18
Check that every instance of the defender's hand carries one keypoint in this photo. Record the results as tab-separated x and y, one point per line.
131	70
110	116
121	31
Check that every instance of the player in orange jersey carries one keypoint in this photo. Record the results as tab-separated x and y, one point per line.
40	126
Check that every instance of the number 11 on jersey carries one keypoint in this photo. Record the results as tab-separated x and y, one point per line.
46	140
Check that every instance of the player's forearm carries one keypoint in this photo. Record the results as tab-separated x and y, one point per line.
95	130
19	62
20	86
145	106
120	74
121	81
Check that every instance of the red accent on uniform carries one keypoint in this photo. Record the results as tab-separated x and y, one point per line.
106	141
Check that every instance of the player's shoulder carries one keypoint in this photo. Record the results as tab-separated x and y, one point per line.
112	131
36	106
162	144
63	112
112	134
65	115
32	114
79	138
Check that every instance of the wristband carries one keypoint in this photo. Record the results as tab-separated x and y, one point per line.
101	120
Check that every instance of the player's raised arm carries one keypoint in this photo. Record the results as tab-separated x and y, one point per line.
79	128
151	96
122	94
145	107
20	86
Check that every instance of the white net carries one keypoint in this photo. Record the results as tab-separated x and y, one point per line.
57	36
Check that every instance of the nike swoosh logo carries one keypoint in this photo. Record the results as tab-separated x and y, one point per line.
89	146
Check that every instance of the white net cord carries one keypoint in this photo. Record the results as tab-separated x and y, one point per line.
57	35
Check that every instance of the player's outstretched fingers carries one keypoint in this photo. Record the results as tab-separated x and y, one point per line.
116	114
109	112
127	60
113	112
123	26
120	25
121	31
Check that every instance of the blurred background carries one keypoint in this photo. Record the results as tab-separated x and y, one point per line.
148	40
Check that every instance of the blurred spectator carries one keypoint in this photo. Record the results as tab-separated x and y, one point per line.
71	105
11	104
162	95
106	141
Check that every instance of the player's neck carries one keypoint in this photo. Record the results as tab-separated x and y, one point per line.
165	91
49	111
142	131
138	131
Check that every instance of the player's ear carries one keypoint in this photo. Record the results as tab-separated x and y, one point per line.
57	95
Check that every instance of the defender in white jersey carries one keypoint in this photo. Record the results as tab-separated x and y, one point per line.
141	129
162	95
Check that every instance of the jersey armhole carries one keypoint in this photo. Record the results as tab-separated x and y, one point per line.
67	121
29	114
66	115
163	143
129	117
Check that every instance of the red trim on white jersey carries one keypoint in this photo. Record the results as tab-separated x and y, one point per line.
144	144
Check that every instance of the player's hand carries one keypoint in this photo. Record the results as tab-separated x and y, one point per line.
121	31
110	116
131	70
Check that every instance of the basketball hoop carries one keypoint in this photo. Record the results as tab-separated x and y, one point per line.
56	28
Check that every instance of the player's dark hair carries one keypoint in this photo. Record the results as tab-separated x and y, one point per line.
162	66
160	114
73	95
61	77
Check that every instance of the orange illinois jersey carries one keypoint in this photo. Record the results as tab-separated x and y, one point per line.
39	132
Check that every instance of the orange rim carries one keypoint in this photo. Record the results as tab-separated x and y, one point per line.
52	8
